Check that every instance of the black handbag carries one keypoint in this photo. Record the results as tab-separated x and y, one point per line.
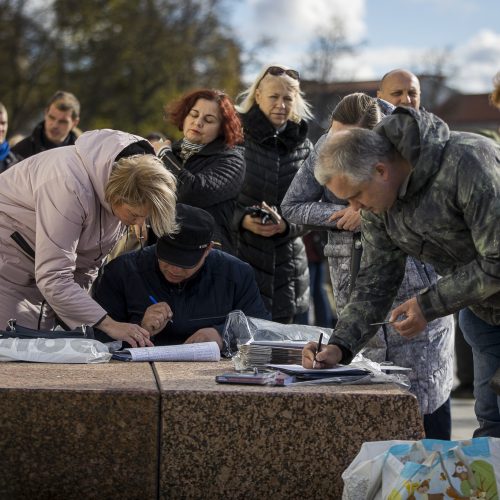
16	331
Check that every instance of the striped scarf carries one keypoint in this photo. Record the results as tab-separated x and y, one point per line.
189	149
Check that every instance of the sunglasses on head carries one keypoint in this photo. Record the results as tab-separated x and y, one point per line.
277	71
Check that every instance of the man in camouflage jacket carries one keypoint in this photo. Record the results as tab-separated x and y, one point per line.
433	194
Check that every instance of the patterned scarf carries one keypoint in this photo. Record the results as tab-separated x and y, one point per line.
189	149
4	150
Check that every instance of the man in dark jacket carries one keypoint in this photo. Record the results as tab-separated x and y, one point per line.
180	289
433	194
62	115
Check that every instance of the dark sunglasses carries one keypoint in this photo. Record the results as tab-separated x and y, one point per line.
277	71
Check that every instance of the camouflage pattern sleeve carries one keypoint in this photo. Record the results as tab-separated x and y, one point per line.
477	199
377	283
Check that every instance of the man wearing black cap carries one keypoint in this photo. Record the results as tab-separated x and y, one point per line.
180	289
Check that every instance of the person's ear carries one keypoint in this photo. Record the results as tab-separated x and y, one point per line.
257	96
382	171
76	121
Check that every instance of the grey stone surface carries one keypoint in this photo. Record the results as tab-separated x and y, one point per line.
234	441
78	431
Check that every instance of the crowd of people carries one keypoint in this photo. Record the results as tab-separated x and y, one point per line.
216	221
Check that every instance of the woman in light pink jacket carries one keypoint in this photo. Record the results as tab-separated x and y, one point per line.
61	212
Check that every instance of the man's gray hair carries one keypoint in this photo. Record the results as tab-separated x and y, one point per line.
352	153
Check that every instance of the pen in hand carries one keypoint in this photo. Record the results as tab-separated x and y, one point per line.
154	301
382	323
318	348
401	317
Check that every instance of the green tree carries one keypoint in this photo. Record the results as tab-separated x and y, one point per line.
27	59
125	60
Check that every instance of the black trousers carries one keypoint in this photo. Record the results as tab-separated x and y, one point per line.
437	425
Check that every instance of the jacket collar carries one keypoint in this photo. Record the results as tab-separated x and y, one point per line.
258	127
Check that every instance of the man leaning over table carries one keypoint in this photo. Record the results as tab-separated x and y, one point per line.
181	288
432	193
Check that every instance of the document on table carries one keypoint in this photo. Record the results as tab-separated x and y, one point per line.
201	351
337	371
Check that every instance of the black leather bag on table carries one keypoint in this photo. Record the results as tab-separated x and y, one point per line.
13	330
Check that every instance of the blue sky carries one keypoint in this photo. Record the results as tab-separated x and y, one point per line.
462	35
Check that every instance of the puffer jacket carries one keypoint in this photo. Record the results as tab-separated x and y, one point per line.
212	179
430	355
55	201
448	217
280	262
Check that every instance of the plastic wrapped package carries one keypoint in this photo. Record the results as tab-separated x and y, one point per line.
240	329
58	350
430	468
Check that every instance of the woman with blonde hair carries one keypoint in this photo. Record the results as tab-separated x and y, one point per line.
61	212
274	114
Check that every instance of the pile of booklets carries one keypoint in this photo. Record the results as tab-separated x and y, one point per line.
260	353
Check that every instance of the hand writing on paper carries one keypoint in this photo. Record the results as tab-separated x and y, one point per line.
205	335
129	332
347	219
156	317
328	357
413	322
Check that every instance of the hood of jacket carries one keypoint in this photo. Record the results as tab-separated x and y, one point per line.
421	138
259	128
97	150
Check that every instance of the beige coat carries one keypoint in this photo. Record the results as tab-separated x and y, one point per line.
55	200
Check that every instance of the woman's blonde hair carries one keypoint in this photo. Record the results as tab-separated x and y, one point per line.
301	108
141	180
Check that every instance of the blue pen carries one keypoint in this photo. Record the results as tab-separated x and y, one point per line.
154	301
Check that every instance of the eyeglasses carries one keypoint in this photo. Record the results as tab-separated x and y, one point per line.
277	71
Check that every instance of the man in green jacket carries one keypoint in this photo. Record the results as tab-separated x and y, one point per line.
433	194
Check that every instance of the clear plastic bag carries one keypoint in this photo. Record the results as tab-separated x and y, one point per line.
240	329
57	350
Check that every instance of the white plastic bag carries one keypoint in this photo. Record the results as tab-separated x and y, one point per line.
54	350
417	470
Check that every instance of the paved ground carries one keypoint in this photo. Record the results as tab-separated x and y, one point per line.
463	418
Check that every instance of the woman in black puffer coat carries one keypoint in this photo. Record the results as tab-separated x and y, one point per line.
273	112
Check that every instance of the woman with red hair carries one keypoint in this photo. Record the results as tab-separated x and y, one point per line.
207	161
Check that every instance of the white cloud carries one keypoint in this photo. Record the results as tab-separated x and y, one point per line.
293	24
296	21
479	60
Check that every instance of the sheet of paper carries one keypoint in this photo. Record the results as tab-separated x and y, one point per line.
202	351
338	370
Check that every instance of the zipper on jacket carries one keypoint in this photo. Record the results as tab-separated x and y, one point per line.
23	244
